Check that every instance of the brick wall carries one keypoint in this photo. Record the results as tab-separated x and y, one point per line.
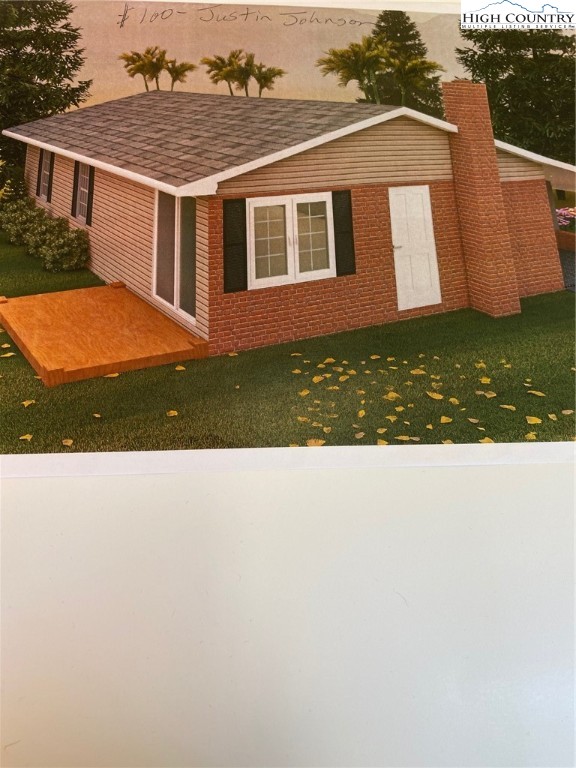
284	313
486	240
566	240
533	237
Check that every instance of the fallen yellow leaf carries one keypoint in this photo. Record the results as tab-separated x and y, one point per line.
296	370
316	424
445	419
26	403
382	442
180	368
232	354
381	430
359	435
333	389
535	392
97	415
111	375
404	438
490	394
474	421
391	418
5	346
343	378
8	354
553	416
67	442
509	407
304	392
303	419
296	354
361	414
314	441
415	439
429	426
329	360
317	379
327	430
320	365
390	359
171	413
533	420
392	396
374	357
567	412
418	372
25	437
486	440
447	442
435	395
454	401
530	436
399	408
485	380
481	364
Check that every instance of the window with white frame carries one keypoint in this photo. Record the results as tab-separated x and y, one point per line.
290	239
82	192
45	174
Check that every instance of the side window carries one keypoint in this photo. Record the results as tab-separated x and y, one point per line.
45	175
83	193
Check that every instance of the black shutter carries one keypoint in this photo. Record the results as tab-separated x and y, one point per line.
343	233
90	196
75	187
39	177
50	177
235	246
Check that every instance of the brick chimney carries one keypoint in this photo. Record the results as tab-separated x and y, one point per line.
486	242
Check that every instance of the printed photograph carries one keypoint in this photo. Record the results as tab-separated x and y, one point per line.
228	226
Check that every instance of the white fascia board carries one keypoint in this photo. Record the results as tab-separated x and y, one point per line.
534	157
209	185
114	169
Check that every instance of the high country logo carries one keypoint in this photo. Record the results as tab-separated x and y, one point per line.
509	15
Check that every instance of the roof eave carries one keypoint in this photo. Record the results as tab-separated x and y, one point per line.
114	169
541	159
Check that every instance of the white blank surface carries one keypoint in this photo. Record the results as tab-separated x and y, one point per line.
388	617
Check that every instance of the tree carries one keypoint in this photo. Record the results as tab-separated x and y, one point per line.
39	61
266	77
178	71
360	63
238	69
242	72
221	69
410	78
135	64
529	77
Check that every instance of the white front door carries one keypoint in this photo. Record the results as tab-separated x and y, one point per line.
415	262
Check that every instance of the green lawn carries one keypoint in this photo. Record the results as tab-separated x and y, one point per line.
353	388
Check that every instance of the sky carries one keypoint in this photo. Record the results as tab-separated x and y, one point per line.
292	38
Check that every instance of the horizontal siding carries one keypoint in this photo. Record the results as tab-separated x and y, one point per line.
122	232
401	150
512	167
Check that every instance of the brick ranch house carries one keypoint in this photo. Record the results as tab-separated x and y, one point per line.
257	221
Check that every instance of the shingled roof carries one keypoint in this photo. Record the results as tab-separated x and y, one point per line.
176	139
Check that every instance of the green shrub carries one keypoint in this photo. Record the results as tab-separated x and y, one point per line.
12	185
45	237
63	248
15	218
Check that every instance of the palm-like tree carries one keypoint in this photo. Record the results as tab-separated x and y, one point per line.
409	75
222	69
178	71
266	77
149	64
135	64
156	62
243	72
360	62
